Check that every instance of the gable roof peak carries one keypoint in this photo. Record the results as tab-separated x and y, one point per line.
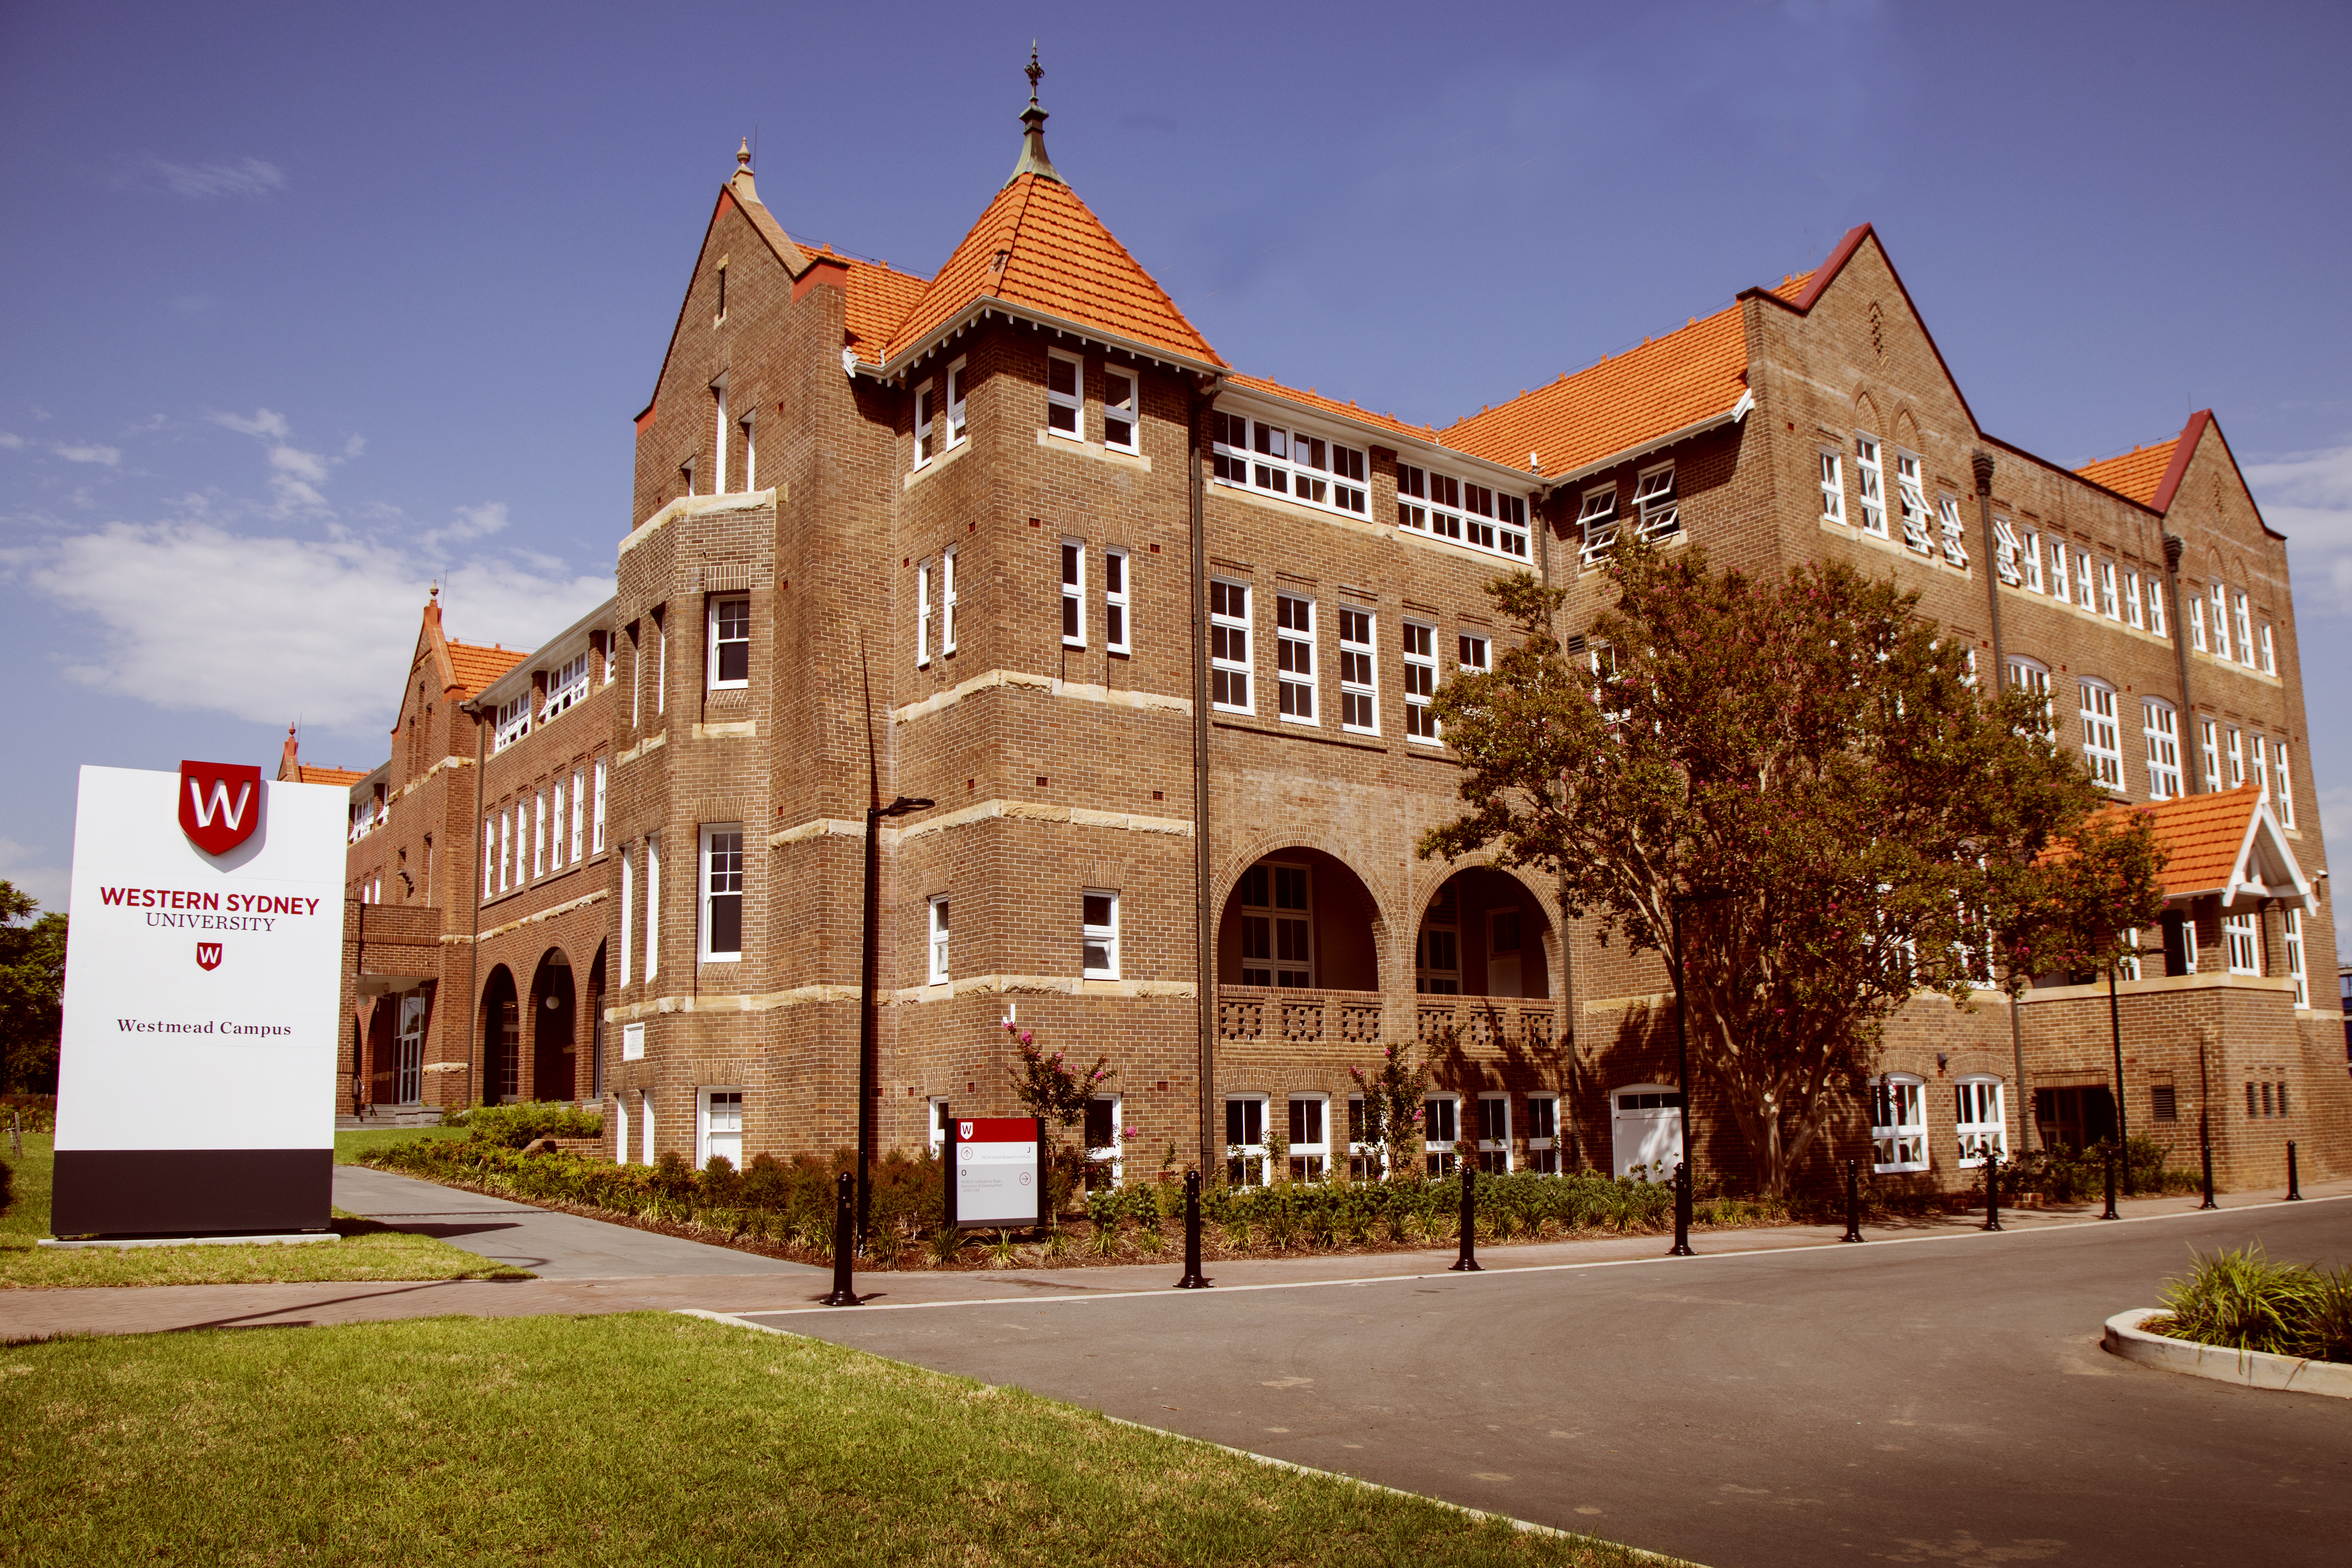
1032	159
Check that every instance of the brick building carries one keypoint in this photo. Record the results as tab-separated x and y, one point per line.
950	538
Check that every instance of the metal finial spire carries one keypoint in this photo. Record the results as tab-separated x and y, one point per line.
743	155
1032	146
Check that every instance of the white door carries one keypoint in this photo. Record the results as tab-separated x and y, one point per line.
1647	1132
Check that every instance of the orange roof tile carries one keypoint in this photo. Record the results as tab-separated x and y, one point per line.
2220	844
1040	247
1649	391
1310	398
2136	473
877	298
307	772
1792	287
476	667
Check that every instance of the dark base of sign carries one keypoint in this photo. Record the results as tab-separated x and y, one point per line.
187	1192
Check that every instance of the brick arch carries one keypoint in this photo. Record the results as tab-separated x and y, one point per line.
1347	957
1254	851
1546	901
1866	410
1904	430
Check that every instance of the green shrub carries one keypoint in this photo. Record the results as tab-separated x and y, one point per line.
2240	1300
34	1112
513	1126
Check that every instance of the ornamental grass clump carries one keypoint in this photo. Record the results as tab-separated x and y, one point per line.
2240	1300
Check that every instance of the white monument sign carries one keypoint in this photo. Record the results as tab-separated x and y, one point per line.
996	1179
202	1004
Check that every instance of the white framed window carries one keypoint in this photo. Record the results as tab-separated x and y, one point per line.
1444	506
1276	925
1294	658
620	1131
1898	1123
948	600
1980	1120
556	797
2086	593
1441	1129
1245	1140
2161	728
653	905
720	430
939	1127
579	814
2030	558
2006	554
1116	627
722	893
1229	646
2110	604
2132	611
748	424
661	666
2262	766
1419	682
489	858
2235	753
1596	521
1066	389
956	427
2101	744
1358	693
1912	499
922	614
1310	1137
926	419
1118	410
1074	594
2245	631
538	834
2197	625
628	897
2211	748
2028	676
1956	544
2245	944
1543	1134
2283	794
2127	962
2156	606
596	820
1437	948
720	1113
2221	621
1295	463
2061	580
2291	929
1870	476
567	685
1495	520
938	941
1476	652
646	1116
1655	510
506	848
731	643
1105	1124
1366	1162
2270	651
637	677
1833	488
1098	934
513	723
1494	1135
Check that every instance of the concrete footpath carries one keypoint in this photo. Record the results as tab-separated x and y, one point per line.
589	1266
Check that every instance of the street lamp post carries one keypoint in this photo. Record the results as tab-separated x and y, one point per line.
2115	1033
866	1065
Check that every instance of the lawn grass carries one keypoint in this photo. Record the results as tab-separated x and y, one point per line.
368	1252
649	1438
351	1146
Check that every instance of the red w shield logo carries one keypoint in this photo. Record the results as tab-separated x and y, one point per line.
220	804
208	955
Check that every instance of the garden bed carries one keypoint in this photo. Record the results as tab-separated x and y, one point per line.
2241	1317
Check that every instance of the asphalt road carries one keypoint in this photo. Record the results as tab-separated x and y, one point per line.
1941	1401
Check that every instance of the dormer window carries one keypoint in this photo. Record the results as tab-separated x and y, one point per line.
1065	394
567	685
512	724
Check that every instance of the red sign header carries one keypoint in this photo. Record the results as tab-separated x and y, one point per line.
220	804
996	1130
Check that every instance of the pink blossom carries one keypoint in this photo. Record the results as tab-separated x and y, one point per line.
1026	1037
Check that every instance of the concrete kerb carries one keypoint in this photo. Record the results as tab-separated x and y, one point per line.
1477	1515
2248	1369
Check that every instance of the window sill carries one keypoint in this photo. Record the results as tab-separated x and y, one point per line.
1897	1170
1078	445
1302	733
931	466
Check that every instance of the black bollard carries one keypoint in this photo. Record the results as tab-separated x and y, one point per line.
2205	1153
1467	1263
2111	1212
1992	1189
845	1223
1852	1201
2293	1187
1682	1247
1193	1278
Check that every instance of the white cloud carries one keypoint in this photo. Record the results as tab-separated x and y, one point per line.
11	440
90	452
2308	496
297	473
202	182
193	616
264	422
473	522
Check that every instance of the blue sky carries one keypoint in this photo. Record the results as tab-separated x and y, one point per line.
306	306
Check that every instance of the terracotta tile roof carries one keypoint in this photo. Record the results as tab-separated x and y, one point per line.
2224	843
877	298
1791	288
1059	260
307	772
1310	398
2136	473
1646	393
476	667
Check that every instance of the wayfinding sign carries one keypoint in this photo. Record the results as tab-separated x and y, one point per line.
996	1174
203	998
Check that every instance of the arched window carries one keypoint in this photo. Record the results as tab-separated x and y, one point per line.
2032	677
2102	741
1898	1123
1979	1118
